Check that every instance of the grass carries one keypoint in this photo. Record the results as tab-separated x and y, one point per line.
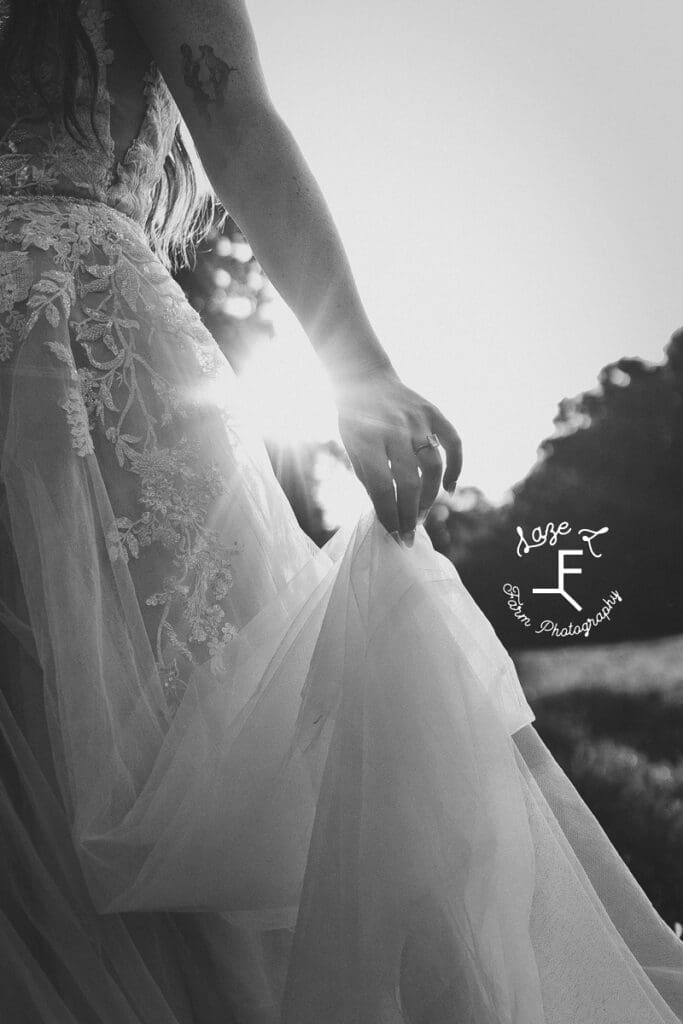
613	719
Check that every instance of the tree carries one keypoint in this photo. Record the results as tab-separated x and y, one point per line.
230	292
615	459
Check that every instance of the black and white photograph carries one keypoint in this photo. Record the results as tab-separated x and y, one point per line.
341	512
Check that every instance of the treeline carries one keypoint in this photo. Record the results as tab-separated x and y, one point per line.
615	459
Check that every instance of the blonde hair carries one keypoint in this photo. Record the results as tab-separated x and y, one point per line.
184	205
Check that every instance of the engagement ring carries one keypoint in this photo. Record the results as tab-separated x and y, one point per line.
431	441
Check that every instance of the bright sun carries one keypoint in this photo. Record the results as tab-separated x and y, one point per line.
291	401
284	383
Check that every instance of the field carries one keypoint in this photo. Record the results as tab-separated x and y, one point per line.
613	718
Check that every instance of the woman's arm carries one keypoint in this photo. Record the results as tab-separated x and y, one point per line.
207	53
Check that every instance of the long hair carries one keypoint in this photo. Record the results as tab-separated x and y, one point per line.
46	41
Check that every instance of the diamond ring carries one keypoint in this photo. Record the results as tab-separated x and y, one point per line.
431	441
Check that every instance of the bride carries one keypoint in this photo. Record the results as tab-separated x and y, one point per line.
244	780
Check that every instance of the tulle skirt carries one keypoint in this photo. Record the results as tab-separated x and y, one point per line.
244	779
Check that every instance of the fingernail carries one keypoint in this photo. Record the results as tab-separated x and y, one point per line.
396	537
409	538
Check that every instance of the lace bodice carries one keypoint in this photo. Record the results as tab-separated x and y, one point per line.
38	156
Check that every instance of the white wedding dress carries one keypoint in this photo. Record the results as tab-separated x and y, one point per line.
245	780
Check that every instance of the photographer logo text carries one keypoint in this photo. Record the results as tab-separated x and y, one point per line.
570	563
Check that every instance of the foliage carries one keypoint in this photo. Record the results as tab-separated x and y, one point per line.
615	459
624	753
230	291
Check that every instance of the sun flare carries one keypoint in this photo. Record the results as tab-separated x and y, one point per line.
287	389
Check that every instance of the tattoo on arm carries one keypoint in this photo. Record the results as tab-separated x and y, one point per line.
207	76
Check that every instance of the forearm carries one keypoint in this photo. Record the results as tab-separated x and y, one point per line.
271	192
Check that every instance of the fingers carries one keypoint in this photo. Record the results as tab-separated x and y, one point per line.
431	468
452	445
356	466
417	478
376	477
401	483
404	469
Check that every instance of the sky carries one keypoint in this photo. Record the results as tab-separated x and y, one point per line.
507	179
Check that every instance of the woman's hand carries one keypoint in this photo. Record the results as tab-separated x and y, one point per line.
380	421
210	61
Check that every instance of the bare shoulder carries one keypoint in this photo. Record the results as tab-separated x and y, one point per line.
208	55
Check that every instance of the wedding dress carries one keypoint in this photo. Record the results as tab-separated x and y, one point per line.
245	780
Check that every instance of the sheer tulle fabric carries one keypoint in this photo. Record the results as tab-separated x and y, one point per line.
312	794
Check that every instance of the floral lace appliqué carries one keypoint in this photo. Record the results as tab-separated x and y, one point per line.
83	276
89	294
